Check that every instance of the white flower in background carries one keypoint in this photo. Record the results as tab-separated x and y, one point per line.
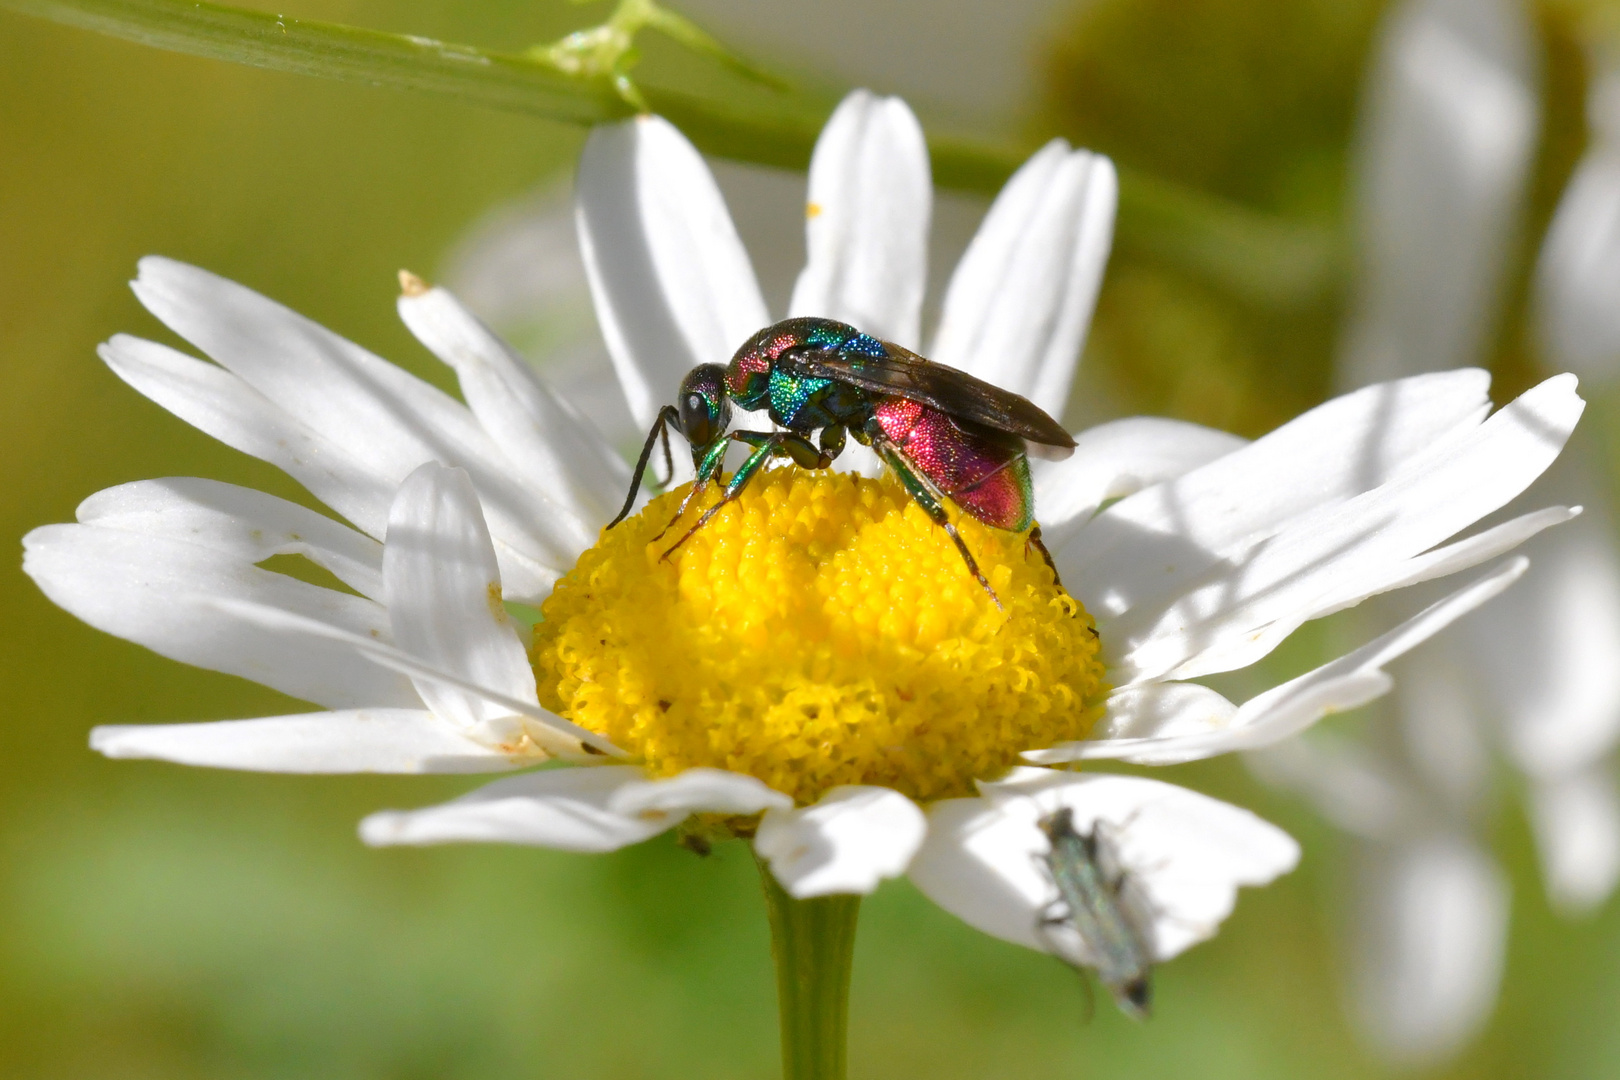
1448	128
1562	720
1447	145
518	269
1578	276
1193	552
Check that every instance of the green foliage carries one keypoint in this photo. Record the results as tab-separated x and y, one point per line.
584	78
609	51
1255	101
1251	100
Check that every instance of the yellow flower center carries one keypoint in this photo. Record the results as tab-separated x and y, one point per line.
818	631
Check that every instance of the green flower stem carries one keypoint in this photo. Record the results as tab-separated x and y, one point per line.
813	943
1257	257
348	53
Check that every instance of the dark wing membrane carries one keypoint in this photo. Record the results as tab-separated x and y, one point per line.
903	373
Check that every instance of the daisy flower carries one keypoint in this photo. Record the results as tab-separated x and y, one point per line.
816	669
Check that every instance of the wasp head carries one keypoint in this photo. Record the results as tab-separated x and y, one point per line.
703	405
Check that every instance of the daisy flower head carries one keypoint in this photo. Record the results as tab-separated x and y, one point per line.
815	669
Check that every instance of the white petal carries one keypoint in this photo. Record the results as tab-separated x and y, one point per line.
1188	853
551	446
567	808
444	596
848	842
866	221
383	418
1116	459
1445	147
516	717
157	592
1330	454
379	413
1346	683
1436	563
672	284
1578	275
713	791
1158	710
1219	614
1358	677
1020	302
1441	561
1577	824
249	524
350	741
1425	954
213	400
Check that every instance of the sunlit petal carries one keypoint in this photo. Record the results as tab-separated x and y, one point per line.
847	842
349	741
1020	302
866	221
672	284
444	596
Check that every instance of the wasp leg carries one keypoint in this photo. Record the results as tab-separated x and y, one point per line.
832	442
767	445
667	417
924	496
1035	542
708	467
788	444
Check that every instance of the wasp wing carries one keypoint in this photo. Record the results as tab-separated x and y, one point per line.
902	373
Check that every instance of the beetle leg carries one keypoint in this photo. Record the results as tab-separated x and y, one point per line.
667	417
1044	924
769	446
922	492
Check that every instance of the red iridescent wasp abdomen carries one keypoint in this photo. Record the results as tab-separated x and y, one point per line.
985	475
947	435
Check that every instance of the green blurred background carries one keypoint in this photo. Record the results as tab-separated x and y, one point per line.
163	922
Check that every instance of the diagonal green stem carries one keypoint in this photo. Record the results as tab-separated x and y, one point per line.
348	53
813	943
1260	258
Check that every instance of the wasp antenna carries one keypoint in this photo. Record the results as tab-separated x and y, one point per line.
669	458
666	415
